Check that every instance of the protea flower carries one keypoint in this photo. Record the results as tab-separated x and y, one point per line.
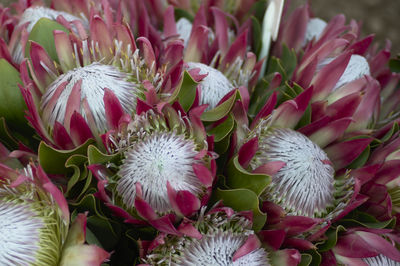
383	187
65	97
220	237
362	246
29	14
163	167
352	60
299	171
220	64
35	223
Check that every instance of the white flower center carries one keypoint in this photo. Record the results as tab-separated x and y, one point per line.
357	67
214	86
184	29
305	185
19	234
218	248
95	78
154	160
315	27
381	260
34	14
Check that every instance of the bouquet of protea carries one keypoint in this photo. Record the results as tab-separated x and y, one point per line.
186	132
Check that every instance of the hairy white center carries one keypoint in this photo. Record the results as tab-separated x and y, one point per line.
315	27
184	29
34	14
95	78
19	234
380	260
218	248
214	86
305	185
154	160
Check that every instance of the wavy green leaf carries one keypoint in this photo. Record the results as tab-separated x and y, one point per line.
238	177
243	200
54	161
221	110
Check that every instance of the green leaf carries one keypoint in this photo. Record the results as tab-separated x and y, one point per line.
186	92
95	156
54	161
105	232
361	159
289	60
305	259
221	110
13	106
181	13
77	163
222	130
390	133
91	239
258	9
6	137
394	65
306	118
275	65
256	34
88	203
42	33
332	237
243	200
238	177
358	218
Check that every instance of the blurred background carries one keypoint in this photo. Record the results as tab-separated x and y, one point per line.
381	17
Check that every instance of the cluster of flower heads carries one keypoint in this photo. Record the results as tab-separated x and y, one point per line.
187	132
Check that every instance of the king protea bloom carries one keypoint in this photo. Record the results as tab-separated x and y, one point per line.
35	223
307	165
65	97
28	15
220	237
164	167
338	62
383	185
219	64
363	246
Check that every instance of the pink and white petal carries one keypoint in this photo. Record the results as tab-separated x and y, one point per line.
204	174
79	129
331	132
252	243
84	255
286	257
343	153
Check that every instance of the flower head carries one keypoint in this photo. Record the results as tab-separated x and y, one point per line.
28	19
218	239
35	222
165	167
65	96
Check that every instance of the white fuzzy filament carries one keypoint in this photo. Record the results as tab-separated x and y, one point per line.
154	160
305	185
214	86
19	234
95	78
218	248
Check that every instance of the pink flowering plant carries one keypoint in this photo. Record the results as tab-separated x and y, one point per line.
182	132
